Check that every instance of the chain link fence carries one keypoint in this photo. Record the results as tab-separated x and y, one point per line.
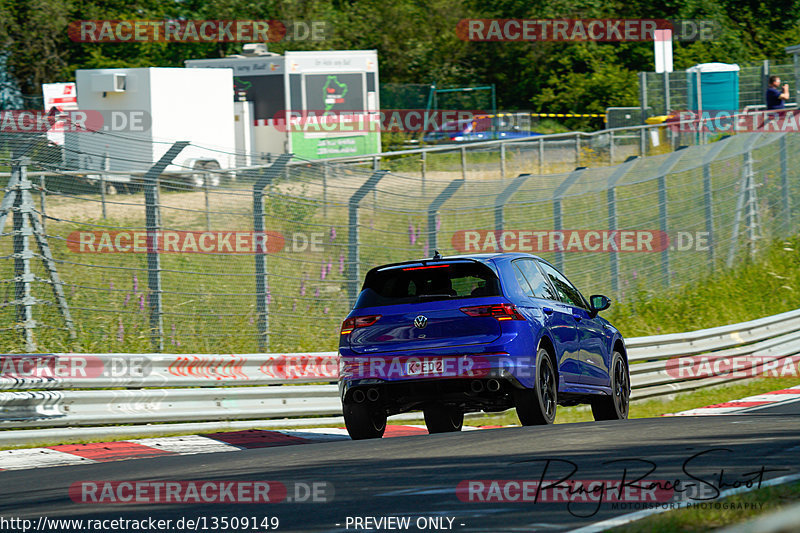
663	92
269	258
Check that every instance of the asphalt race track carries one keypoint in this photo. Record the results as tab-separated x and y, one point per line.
416	476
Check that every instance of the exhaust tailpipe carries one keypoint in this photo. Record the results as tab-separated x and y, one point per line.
358	396
493	385
476	386
373	395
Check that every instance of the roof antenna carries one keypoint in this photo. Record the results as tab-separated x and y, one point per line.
436	255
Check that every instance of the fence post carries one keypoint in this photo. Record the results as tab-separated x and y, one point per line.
23	276
611	197
153	224
266	177
325	190
665	168
434	206
353	261
557	217
786	205
611	148
643	103
503	197
502	161
463	162
541	156
708	199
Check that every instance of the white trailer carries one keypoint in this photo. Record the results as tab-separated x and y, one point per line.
140	112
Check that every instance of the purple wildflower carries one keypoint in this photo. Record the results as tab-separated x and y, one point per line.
302	288
341	263
333	234
323	271
412	237
141	302
135	283
316	292
127	299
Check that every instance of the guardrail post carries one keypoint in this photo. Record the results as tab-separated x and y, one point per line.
643	103
503	197
557	218
611	197
266	177
153	224
353	261
433	208
785	202
577	150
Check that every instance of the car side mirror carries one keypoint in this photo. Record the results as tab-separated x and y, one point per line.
598	302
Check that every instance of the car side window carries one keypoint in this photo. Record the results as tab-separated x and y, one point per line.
567	292
523	283
538	284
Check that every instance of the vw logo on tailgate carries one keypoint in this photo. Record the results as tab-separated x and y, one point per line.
421	321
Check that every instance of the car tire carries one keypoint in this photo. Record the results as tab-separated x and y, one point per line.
615	406
363	421
537	406
443	418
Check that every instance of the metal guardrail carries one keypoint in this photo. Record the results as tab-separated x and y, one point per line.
160	388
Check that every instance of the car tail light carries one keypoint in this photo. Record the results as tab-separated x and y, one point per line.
358	322
498	311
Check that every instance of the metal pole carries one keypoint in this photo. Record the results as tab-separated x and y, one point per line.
23	276
611	148
325	168
502	198
434	206
577	150
153	225
557	216
502	161
611	197
643	111
708	200
424	165
206	177
262	294
541	156
463	162
43	201
786	205
662	218
353	260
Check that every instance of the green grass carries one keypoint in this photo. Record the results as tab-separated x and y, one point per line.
689	520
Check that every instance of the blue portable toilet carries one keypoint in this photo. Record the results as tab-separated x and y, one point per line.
714	86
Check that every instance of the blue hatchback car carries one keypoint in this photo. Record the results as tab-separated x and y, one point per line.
486	332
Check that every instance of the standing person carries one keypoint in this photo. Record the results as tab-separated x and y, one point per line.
776	98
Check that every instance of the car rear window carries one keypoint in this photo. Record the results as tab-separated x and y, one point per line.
425	283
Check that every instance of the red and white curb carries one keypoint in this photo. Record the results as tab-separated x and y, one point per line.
228	441
737	406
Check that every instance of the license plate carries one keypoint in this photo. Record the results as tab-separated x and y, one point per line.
424	367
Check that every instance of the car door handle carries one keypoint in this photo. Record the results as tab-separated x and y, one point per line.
577	317
547	310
